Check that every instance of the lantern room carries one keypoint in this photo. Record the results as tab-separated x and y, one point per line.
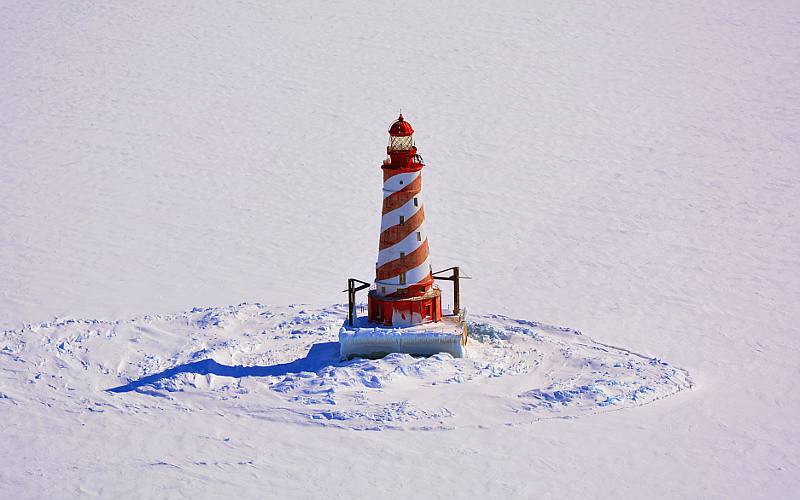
401	149
400	135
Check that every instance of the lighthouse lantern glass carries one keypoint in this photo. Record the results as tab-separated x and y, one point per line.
401	143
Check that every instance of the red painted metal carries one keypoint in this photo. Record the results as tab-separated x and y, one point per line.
388	312
401	128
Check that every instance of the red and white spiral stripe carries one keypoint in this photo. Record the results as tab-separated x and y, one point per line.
403	267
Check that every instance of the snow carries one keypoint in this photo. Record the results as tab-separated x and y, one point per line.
626	171
284	364
366	340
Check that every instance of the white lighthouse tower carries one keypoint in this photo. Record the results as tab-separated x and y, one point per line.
404	294
404	304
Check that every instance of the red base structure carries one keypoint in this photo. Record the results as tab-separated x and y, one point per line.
405	311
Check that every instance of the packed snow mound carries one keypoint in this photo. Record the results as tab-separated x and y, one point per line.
281	363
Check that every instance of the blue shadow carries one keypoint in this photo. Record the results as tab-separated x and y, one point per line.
319	356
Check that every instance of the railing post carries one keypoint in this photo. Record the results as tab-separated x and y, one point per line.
351	297
456	291
351	300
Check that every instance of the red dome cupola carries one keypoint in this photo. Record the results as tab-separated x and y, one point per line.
400	128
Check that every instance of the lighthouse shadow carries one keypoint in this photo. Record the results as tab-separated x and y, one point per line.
320	355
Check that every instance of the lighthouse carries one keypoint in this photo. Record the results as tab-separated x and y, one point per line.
404	305
404	293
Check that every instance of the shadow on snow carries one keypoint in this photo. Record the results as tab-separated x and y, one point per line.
319	356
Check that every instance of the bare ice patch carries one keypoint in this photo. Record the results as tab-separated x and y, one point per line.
281	363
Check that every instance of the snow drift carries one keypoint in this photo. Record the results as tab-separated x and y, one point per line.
282	363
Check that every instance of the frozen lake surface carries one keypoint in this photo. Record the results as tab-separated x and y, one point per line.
629	172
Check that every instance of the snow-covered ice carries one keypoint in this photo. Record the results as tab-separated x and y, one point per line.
283	364
371	341
626	170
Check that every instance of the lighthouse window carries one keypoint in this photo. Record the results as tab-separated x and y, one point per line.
422	290
419	236
402	255
402	220
416	202
401	143
383	289
402	278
